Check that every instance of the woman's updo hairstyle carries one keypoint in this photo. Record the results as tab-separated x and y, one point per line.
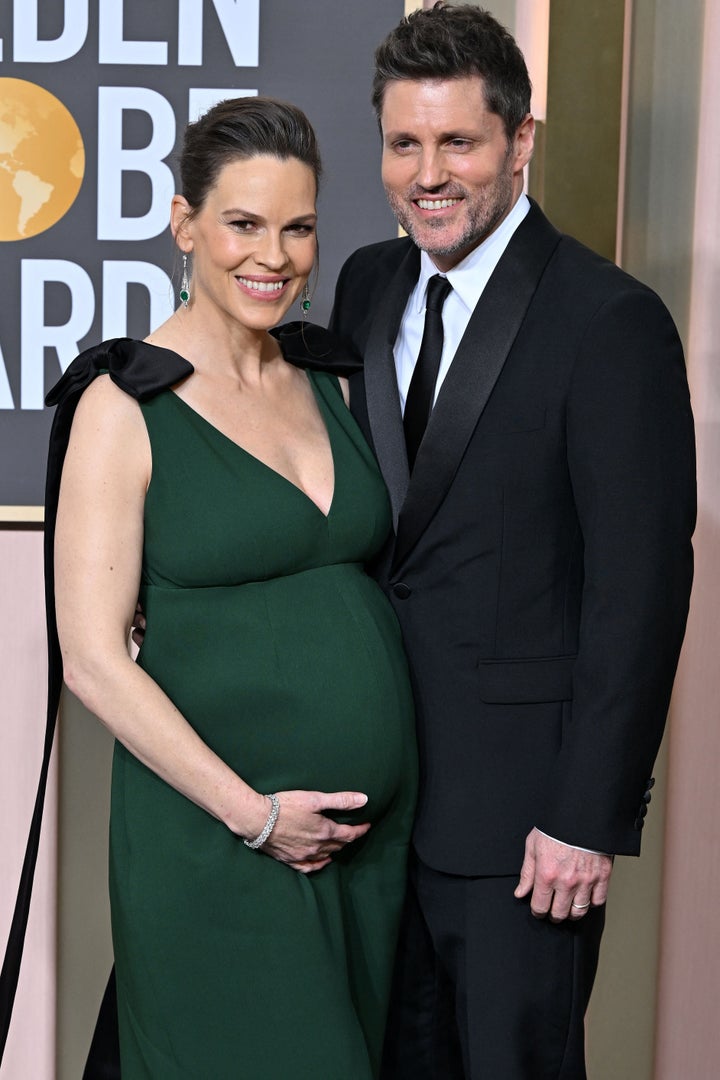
242	128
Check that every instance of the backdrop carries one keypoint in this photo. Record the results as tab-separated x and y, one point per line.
94	96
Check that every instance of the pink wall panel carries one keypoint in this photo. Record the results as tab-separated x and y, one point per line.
688	1033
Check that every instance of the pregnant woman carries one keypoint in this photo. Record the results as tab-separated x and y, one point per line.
264	772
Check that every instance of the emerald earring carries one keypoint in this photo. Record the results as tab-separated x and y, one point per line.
185	284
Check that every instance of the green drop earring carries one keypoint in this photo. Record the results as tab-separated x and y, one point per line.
305	301
185	284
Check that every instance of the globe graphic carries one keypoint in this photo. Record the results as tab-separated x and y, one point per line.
42	159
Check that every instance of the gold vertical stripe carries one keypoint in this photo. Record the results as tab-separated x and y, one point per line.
581	168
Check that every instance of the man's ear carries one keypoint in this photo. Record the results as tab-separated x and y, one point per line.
524	142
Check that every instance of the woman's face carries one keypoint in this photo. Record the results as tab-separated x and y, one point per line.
253	243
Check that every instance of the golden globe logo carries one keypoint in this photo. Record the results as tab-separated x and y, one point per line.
81	290
42	159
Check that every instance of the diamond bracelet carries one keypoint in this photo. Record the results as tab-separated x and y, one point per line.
268	827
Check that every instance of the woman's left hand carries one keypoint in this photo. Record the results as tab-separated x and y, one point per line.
304	837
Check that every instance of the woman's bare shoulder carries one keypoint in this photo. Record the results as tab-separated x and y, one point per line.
109	430
104	402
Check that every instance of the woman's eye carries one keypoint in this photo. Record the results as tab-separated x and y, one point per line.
301	230
243	225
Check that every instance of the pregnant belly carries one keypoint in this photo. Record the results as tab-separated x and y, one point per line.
299	682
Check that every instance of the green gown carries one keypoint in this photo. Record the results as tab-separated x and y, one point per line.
286	658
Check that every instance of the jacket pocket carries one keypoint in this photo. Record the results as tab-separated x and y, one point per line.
516	422
521	682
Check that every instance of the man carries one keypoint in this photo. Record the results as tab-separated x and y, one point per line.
541	564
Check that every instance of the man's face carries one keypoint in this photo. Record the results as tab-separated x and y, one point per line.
450	173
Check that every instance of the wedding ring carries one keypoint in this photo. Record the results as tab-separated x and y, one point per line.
580	907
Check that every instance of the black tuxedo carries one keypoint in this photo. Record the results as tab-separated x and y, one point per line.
542	564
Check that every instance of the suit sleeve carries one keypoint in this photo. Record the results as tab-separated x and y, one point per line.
335	321
344	315
631	458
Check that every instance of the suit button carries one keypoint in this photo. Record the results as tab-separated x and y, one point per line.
642	811
401	590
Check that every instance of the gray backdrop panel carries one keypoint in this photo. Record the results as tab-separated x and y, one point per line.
317	54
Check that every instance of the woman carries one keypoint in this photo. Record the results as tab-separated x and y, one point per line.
232	491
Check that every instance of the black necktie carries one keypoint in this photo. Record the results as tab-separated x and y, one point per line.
419	401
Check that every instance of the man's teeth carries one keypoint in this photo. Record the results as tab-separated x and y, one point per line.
262	286
436	204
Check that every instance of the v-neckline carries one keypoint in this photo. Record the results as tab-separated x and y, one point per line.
320	401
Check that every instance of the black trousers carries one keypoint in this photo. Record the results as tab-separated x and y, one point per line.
485	991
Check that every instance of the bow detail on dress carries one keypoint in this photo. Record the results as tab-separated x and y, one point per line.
308	345
141	370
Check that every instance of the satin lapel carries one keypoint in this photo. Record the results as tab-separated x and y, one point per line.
473	373
383	401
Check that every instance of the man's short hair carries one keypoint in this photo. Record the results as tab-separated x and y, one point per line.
450	43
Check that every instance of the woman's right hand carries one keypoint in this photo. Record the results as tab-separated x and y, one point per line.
303	837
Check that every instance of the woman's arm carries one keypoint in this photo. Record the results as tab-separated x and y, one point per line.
98	555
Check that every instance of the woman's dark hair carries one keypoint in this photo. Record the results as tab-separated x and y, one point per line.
242	128
453	42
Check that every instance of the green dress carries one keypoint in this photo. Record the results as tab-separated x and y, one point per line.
286	658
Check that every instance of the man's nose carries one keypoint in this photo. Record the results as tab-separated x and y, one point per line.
432	171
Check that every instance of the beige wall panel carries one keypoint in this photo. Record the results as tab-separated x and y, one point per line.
84	945
662	148
30	1051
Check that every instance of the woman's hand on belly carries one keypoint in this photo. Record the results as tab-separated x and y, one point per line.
303	837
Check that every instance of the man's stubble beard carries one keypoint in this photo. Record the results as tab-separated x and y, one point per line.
484	211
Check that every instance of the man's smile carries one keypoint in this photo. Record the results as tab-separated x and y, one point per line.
436	204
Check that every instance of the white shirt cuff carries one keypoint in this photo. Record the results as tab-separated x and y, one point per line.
590	851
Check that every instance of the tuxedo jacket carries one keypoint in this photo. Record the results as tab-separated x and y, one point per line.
541	563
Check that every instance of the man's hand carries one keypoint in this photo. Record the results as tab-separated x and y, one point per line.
565	882
139	626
